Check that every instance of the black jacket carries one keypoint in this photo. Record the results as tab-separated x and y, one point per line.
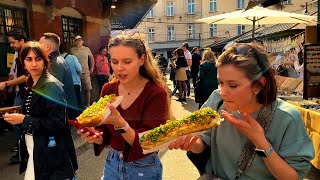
196	58
47	117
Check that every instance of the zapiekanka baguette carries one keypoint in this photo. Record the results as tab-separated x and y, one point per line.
93	114
200	120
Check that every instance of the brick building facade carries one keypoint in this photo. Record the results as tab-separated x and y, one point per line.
66	18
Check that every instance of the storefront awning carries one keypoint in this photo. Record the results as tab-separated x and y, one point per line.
261	33
127	13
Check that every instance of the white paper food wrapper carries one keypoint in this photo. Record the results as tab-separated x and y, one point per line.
165	145
115	104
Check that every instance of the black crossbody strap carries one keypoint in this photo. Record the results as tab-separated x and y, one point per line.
65	56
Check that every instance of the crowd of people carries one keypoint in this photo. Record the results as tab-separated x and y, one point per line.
186	67
262	136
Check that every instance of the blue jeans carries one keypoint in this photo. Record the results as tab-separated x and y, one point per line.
148	167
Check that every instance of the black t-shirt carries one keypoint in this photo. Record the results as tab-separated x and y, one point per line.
196	58
181	62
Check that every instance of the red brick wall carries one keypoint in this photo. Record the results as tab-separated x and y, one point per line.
92	34
39	24
91	8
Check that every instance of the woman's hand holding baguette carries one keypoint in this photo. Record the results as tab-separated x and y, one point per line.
183	143
114	118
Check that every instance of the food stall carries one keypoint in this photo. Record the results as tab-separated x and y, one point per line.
304	94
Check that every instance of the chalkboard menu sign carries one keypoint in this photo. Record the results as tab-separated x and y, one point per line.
311	71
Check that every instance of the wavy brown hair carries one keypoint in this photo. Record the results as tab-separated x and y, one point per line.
252	59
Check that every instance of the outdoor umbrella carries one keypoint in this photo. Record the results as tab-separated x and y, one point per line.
258	15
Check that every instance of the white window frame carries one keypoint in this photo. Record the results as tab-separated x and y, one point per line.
191	6
191	31
213	29
241	29
170	33
151	13
170	9
287	2
151	33
241	4
213	6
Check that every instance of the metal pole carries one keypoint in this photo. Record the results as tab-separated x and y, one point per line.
199	40
254	27
200	37
318	24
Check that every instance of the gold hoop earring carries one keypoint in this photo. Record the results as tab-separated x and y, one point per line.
256	92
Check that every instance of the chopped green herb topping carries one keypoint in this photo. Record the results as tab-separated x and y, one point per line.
201	116
98	106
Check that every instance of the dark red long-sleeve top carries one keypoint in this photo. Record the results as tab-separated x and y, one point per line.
148	111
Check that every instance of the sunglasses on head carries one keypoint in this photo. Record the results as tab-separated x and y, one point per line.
244	49
127	32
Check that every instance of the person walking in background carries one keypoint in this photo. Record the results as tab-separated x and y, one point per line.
76	70
17	77
173	69
163	63
145	105
85	58
260	133
102	65
188	56
196	58
46	147
181	75
207	76
60	68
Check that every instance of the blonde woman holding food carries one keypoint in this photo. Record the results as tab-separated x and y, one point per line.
145	105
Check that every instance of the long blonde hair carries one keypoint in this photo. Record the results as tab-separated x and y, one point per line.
150	69
208	56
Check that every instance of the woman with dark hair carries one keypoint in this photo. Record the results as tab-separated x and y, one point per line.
181	75
145	105
262	137
102	64
46	147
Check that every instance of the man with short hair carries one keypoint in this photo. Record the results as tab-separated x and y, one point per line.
17	77
85	57
59	67
187	54
196	59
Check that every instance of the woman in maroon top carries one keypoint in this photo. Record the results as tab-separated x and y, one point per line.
145	105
